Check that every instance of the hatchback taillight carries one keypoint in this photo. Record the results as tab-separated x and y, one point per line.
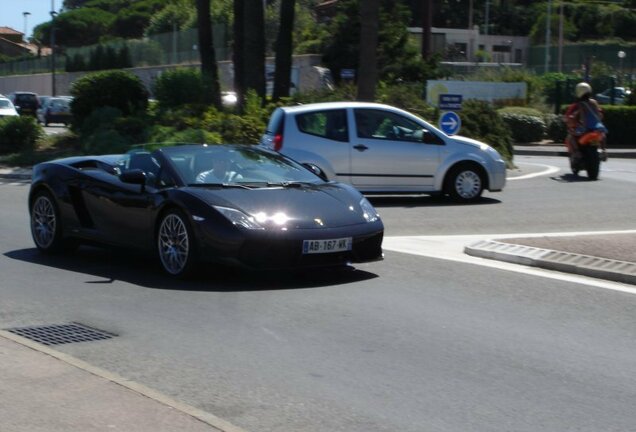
278	142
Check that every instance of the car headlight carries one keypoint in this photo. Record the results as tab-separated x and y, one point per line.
239	218
369	213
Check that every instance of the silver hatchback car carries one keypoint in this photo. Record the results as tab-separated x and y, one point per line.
381	149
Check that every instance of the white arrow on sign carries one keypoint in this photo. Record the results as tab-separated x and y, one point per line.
450	122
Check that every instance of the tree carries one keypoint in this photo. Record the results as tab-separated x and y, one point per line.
284	48
237	57
254	46
368	63
209	70
249	49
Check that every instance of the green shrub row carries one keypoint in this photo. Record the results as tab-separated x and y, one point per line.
524	128
19	134
621	124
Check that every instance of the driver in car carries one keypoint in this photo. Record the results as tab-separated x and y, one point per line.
220	173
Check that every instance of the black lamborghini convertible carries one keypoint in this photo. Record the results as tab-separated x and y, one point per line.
240	205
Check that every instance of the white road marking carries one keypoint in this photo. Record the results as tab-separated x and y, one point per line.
549	169
451	248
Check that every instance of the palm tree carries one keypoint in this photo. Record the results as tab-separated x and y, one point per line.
254	46
209	71
237	55
249	48
368	64
282	81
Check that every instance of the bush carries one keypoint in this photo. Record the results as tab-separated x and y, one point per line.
118	89
179	86
524	128
480	121
107	131
19	134
556	128
234	129
407	97
621	124
521	111
167	134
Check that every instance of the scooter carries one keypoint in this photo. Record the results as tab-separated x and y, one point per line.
588	158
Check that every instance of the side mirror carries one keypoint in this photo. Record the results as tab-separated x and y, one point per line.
133	176
430	138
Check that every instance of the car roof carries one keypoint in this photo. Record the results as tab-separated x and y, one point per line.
336	105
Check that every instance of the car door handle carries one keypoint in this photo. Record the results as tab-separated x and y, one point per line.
360	147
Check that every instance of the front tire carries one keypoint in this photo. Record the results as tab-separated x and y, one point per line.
175	244
46	225
464	183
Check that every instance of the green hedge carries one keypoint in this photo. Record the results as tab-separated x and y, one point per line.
480	121
621	124
19	134
524	128
178	87
556	128
117	89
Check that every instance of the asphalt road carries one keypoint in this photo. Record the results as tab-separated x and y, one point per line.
413	343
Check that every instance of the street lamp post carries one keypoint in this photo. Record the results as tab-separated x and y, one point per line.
621	56
53	15
25	15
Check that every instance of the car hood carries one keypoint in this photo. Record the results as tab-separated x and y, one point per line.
305	207
472	142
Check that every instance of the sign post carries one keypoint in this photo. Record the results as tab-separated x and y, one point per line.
449	120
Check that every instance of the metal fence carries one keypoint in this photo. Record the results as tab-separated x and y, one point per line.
180	47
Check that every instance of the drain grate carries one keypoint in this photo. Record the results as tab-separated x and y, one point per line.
61	334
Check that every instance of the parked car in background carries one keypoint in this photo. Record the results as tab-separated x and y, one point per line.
26	103
381	149
55	110
620	95
6	108
41	102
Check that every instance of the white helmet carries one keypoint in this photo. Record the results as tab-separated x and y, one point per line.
582	89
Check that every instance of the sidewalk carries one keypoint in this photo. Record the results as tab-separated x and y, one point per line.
43	390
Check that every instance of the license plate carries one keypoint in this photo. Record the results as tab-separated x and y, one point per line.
327	246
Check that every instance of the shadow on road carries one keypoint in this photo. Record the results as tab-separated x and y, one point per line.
570	178
107	265
411	201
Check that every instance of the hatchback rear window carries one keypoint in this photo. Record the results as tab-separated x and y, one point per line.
275	125
330	124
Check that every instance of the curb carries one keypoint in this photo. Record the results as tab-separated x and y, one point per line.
553	151
584	265
15	176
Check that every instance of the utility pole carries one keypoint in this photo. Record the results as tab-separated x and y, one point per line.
548	36
427	24
53	15
561	36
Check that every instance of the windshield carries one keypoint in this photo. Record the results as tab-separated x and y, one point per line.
235	165
5	103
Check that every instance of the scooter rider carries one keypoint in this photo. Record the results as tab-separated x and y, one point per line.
582	116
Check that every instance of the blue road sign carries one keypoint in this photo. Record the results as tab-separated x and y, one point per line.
449	122
347	73
450	102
